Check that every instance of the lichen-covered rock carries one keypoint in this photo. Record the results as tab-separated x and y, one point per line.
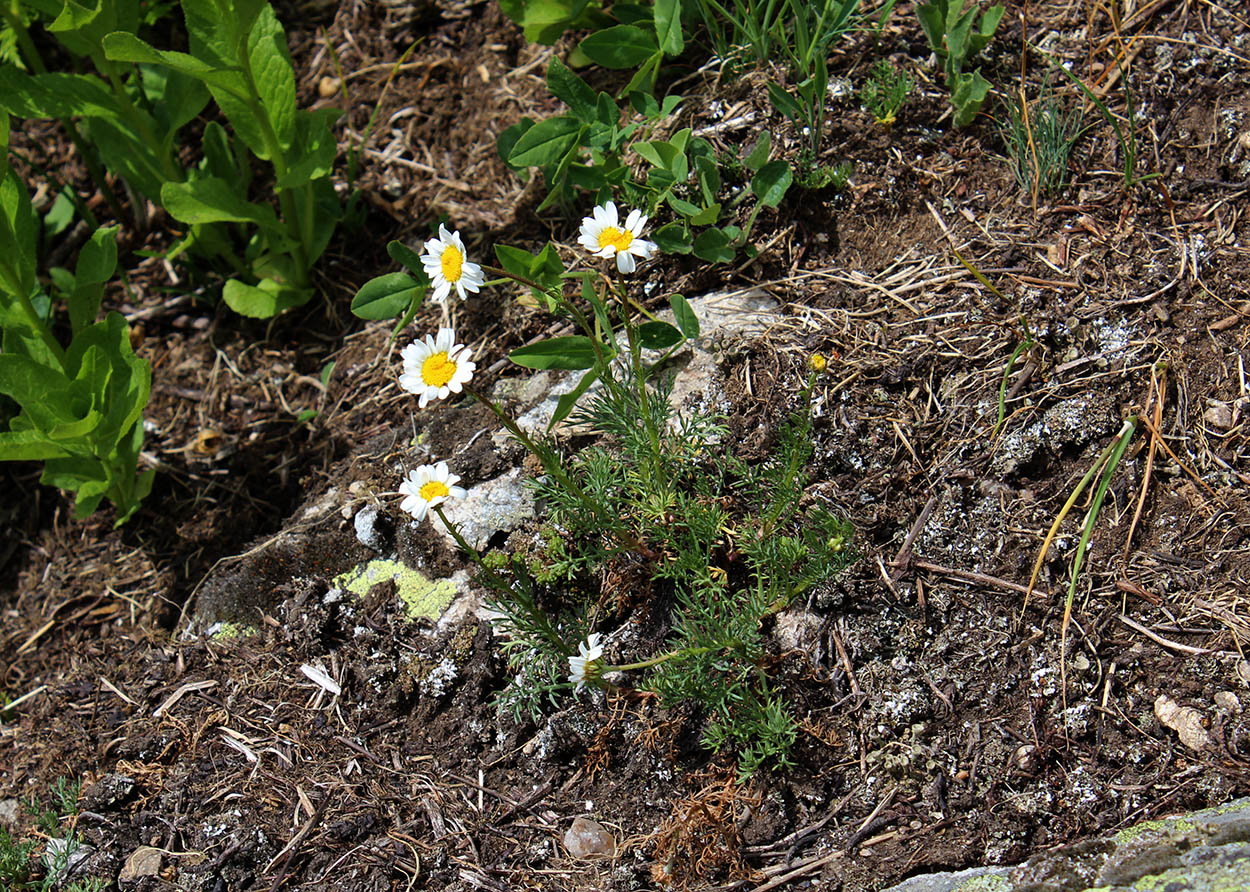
1207	851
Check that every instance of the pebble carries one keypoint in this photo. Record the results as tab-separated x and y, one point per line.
329	87
144	861
1184	720
589	839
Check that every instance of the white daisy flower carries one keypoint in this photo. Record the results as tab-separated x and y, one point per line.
436	367
603	236
428	486
446	264
585	666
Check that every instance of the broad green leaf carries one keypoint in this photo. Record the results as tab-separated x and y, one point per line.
684	315
123	47
97	262
621	46
547	142
213	200
314	148
758	156
709	177
42	392
571	90
683	207
707	216
569	352
385	297
274	74
265	300
55	95
565	404
406	257
658	335
515	260
672	238
769	185
644	77
176	98
508	139
714	246
968	95
668	26
29	445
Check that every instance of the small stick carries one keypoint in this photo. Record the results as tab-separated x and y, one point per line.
904	554
971	576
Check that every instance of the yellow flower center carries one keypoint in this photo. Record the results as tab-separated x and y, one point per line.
452	262
435	489
611	237
438	369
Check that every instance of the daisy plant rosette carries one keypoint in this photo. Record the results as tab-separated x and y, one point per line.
447	264
429	486
436	367
603	235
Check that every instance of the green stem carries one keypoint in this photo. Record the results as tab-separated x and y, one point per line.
550	464
663	658
476	556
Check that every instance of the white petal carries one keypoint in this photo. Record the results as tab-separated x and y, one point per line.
458	491
443	235
632	221
625	261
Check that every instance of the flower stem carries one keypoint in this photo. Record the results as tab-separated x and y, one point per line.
476	556
662	658
550	464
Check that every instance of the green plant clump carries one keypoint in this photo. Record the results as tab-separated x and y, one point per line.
80	407
956	35
885	91
1039	142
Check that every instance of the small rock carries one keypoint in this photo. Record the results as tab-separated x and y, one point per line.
107	792
8	813
328	87
1227	703
589	839
1184	720
1219	415
61	857
501	504
368	529
144	861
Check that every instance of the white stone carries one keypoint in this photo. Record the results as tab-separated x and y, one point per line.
589	839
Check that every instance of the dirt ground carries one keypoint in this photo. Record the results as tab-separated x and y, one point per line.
941	726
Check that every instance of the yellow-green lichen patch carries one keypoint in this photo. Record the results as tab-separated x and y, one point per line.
1160	826
227	631
423	598
986	883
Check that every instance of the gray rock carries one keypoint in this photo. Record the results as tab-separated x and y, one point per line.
8	813
367	532
1206	851
501	504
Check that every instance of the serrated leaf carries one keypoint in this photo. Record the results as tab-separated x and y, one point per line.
571	90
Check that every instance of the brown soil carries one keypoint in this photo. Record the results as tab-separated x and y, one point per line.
942	727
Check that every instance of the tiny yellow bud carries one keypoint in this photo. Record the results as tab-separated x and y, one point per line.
817	362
